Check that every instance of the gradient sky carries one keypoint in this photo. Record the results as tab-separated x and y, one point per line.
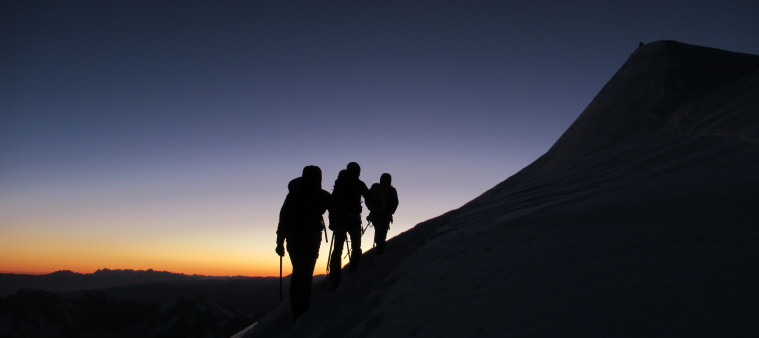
162	134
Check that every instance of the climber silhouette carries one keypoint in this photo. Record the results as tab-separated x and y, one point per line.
345	218
301	224
381	209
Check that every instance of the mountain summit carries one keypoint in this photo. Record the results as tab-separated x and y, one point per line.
640	221
659	82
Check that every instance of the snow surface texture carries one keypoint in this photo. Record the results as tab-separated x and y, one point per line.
642	220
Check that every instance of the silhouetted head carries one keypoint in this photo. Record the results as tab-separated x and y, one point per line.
312	177
354	169
342	175
385	179
342	178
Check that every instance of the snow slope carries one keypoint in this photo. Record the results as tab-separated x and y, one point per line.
642	220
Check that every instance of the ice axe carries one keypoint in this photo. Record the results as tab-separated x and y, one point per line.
280	279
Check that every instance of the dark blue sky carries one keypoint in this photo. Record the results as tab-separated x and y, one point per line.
111	109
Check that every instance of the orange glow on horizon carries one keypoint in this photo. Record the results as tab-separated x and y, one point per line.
259	271
186	256
228	250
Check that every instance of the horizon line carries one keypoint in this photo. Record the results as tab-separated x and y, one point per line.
38	273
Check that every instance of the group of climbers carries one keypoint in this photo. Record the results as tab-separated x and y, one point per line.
301	225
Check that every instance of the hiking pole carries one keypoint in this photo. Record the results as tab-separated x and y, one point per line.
324	227
329	255
348	244
367	227
280	279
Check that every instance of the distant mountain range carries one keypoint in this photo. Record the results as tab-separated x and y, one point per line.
131	303
67	281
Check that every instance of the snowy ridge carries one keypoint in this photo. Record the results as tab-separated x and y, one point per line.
659	81
641	220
